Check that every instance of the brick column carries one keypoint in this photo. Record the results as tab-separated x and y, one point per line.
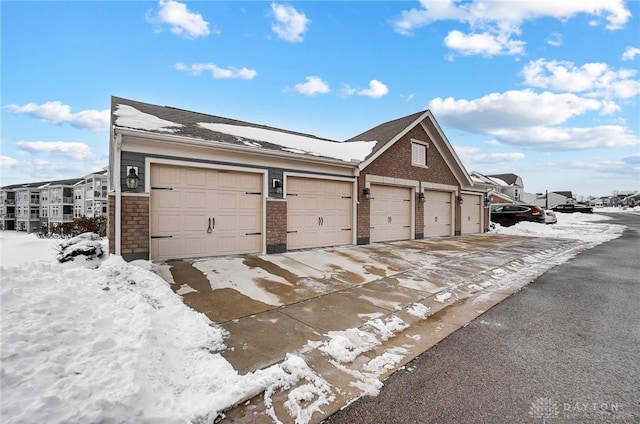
135	227
111	222
419	218
276	226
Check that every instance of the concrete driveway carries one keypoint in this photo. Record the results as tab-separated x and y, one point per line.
274	305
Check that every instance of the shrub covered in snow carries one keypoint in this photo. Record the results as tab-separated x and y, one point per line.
88	245
76	227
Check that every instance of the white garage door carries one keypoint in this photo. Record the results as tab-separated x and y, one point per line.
390	213
198	212
471	213
437	213
319	212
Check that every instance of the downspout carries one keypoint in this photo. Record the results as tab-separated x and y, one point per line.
116	180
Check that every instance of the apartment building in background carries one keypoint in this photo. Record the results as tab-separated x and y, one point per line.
29	206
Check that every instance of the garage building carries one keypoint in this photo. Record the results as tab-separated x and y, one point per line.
185	185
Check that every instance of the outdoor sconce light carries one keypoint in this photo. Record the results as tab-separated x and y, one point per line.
277	184
487	201
366	193
460	200
132	177
421	197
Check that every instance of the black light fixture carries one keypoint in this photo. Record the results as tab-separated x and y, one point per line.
277	184
421	197
460	200
132	177
487	200
366	192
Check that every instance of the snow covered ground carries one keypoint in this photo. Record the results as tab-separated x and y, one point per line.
108	341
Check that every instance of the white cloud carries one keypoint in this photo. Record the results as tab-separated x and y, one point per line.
59	113
630	53
606	169
560	138
471	155
216	71
486	44
528	119
7	162
593	79
182	21
555	39
511	109
73	150
290	24
376	90
347	90
493	22
314	85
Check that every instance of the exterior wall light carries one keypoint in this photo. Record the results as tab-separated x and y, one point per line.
460	200
366	192
277	184
132	177
421	197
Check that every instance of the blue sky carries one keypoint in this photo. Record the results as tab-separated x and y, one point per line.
545	89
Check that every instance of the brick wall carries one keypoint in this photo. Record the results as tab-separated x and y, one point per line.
111	222
419	218
363	232
276	226
135	225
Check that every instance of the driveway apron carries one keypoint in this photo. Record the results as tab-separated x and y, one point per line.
272	305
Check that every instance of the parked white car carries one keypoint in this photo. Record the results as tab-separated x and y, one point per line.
550	217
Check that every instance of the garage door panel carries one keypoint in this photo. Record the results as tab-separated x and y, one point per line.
185	199
167	199
317	212
390	213
437	213
470	214
195	177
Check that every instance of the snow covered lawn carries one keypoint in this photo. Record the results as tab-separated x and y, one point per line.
103	340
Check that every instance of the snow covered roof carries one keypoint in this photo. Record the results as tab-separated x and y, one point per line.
168	120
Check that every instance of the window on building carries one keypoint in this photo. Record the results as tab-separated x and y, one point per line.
419	153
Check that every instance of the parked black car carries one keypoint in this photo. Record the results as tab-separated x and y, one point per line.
508	214
569	208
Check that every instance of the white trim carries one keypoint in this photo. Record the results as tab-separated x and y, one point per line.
379	179
439	187
118	200
451	152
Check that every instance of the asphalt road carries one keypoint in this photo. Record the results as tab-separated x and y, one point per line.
565	349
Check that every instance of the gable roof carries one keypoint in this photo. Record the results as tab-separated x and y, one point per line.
360	150
510	179
388	133
567	194
146	117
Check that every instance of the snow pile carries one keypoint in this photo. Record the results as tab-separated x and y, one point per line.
591	228
89	245
115	344
107	345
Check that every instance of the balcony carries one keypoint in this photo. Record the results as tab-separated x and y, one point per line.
9	201
67	200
